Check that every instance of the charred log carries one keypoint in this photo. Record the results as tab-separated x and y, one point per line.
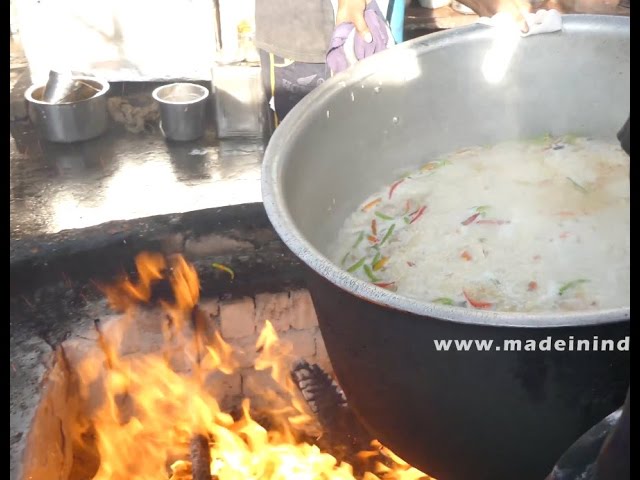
200	458
344	436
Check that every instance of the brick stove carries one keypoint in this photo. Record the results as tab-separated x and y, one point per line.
55	307
239	321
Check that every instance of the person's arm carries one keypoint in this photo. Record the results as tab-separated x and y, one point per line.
352	11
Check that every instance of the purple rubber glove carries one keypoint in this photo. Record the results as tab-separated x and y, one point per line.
338	59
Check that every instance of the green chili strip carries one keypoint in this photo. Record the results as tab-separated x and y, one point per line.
571	284
541	140
577	185
372	277
383	216
360	238
443	301
388	234
433	165
356	265
375	259
482	208
344	259
407	220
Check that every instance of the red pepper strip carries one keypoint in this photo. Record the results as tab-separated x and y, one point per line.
394	186
532	286
493	222
466	255
471	219
372	239
477	303
374	227
388	285
418	214
407	206
371	204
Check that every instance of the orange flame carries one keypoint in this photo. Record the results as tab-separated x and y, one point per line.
144	414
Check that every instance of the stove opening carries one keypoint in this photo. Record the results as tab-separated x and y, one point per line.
189	388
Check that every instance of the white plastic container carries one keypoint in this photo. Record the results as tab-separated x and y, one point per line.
433	4
460	8
240	107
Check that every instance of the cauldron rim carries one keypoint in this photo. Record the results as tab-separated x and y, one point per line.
284	225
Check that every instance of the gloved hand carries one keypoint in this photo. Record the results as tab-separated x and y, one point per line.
348	47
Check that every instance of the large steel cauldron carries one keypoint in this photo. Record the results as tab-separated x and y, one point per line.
458	415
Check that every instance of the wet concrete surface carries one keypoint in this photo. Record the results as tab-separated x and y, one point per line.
122	176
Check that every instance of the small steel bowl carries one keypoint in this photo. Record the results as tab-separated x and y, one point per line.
182	110
80	118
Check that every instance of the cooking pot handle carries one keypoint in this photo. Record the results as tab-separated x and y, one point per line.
615	455
624	136
603	453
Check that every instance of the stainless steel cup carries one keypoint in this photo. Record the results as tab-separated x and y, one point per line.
182	110
80	117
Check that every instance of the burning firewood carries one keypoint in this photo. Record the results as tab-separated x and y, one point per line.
343	435
200	458
161	414
104	345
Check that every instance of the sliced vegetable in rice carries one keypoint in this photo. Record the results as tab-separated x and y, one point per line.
394	185
356	265
430	166
507	212
443	301
471	219
542	139
358	240
577	185
383	216
476	303
570	285
388	234
418	214
371	204
386	285
369	273
380	263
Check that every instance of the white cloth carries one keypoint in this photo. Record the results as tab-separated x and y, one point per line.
543	21
349	44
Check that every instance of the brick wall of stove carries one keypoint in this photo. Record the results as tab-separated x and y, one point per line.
240	322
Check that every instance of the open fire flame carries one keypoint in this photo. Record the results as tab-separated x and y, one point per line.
150	420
